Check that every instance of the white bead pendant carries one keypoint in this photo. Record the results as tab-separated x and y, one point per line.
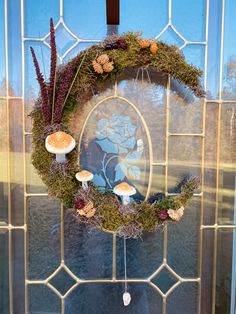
126	298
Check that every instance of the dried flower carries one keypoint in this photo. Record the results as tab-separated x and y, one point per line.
88	210
176	214
102	64
63	89
108	67
144	43
122	43
53	64
162	214
102	59
43	89
110	46
153	48
97	67
79	203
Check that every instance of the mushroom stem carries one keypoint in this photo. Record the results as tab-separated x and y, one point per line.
85	185
60	157
125	199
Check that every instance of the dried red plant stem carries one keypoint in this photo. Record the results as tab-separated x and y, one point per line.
43	89
63	89
52	82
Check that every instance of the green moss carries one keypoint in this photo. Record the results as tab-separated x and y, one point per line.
147	216
165	203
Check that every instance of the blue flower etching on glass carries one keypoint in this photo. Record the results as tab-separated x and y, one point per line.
121	151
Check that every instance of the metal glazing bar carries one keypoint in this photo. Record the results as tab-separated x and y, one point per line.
61	8
218	159
165	239
10	227
35	194
221	101
164	164
203	162
216	226
187	134
10	277
24	153
114	256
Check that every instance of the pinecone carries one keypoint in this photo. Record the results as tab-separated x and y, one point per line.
108	67
103	59
144	43
153	48
97	67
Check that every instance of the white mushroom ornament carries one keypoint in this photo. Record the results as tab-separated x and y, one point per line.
125	191
60	143
84	176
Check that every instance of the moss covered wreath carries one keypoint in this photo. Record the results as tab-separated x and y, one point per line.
55	152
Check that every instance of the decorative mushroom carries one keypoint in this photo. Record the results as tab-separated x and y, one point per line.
84	176
60	143
125	190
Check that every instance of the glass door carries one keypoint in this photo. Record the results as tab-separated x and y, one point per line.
49	263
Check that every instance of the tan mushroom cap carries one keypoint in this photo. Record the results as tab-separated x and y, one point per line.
84	176
59	143
124	189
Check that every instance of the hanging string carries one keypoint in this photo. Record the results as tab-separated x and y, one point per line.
125	264
126	294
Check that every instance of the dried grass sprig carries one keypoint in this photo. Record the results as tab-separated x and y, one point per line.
63	89
43	89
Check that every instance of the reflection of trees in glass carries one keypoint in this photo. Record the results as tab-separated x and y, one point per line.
229	80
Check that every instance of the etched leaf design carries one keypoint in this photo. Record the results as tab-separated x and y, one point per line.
107	146
98	180
120	171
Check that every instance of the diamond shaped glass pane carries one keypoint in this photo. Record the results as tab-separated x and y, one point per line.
164	280
171	37
62	281
64	40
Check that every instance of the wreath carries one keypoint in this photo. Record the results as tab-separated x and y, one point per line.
55	151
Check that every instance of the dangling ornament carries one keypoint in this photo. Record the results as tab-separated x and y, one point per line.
126	294
124	190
